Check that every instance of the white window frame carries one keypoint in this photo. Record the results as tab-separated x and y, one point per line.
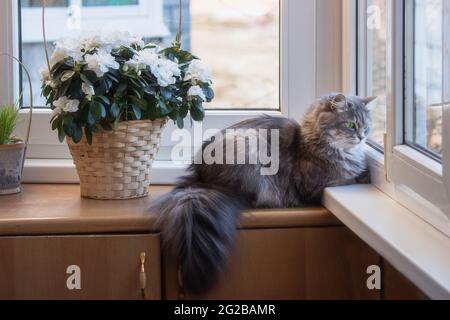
136	18
309	68
415	180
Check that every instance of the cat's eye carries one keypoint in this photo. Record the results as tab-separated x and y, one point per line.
351	125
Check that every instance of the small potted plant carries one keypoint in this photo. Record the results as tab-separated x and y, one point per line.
13	149
11	152
111	97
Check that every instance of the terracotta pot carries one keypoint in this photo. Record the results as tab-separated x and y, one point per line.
11	161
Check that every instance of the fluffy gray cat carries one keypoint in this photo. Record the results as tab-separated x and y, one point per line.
199	217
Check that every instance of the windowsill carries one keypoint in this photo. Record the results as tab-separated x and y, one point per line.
414	247
46	209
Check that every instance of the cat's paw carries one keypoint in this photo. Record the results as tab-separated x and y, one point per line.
364	178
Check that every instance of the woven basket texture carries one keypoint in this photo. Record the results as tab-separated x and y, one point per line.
118	164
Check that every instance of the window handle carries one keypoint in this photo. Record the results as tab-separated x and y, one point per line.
143	275
386	157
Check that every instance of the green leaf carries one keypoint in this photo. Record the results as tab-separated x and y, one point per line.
94	129
163	107
90	118
122	88
184	110
88	135
86	80
77	133
98	111
104	99
61	134
112	77
180	122
166	93
209	93
138	93
150	90
197	111
139	102
57	123
115	110
137	112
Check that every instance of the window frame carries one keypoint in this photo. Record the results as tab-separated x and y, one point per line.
140	15
410	177
301	82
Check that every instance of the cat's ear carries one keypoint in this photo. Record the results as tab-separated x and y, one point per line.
368	102
338	103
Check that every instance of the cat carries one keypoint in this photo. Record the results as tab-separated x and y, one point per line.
200	216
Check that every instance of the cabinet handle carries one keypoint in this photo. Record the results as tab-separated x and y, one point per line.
143	275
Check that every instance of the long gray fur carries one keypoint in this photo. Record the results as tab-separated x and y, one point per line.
199	217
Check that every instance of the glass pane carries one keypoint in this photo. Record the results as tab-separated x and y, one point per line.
49	3
374	59
424	109
86	3
98	3
239	40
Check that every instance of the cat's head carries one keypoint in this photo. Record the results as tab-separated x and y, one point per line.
342	120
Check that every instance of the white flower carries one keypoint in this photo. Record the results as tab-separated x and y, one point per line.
166	72
133	64
163	69
89	41
101	62
136	41
116	40
88	90
196	91
147	57
58	55
67	75
45	78
198	71
45	74
68	47
64	104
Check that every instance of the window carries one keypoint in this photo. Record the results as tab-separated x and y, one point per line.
403	57
68	17
425	76
235	38
372	57
240	40
256	50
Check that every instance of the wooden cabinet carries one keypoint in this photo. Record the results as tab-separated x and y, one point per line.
296	263
397	287
109	267
279	254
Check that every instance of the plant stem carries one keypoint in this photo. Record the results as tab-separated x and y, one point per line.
45	39
180	24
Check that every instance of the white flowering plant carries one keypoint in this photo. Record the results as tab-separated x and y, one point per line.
95	82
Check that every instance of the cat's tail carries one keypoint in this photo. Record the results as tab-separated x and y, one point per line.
198	227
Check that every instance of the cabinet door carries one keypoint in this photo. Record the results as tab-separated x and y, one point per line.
85	267
398	287
303	263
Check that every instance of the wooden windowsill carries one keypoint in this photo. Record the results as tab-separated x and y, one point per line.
59	210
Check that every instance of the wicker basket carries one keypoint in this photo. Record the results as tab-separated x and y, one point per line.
118	164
